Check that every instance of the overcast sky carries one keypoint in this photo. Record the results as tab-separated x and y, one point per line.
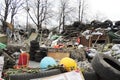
104	8
109	8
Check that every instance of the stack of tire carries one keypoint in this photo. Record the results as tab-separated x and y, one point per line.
105	68
107	23
40	54
96	23
116	27
34	46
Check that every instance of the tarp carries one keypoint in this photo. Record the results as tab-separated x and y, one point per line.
3	38
54	37
2	46
112	35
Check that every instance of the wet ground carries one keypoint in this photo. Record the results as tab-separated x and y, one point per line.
34	64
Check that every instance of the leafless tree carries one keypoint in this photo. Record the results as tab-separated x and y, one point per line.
40	12
16	6
9	8
79	10
6	8
64	14
82	9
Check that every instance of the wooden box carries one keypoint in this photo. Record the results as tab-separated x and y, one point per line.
58	55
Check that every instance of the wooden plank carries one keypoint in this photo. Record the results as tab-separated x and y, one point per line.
58	55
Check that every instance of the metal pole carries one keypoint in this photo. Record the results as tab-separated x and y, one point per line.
27	16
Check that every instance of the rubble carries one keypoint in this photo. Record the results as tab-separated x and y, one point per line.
84	43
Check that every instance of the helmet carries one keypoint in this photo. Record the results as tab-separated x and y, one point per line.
46	62
68	63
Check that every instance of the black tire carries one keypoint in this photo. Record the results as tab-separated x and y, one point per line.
106	67
38	59
21	32
116	41
117	23
90	76
45	31
76	24
43	49
34	42
32	56
114	28
96	23
41	53
32	53
39	56
33	48
28	76
107	23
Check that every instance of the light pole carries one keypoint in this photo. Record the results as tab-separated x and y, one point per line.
27	8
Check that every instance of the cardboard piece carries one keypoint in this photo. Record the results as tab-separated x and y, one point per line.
33	36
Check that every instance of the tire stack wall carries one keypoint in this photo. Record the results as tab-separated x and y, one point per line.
34	46
40	54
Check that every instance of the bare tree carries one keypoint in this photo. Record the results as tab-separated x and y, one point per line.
82	9
40	12
9	8
79	10
6	11
16	6
64	14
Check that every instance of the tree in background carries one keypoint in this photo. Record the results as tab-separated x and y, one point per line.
65	13
82	9
9	9
79	10
4	16
40	11
16	6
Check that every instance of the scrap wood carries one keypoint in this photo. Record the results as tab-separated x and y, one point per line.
96	40
33	36
8	56
58	55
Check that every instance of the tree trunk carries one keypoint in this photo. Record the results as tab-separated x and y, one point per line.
79	10
63	22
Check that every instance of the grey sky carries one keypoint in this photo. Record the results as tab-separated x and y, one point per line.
109	8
